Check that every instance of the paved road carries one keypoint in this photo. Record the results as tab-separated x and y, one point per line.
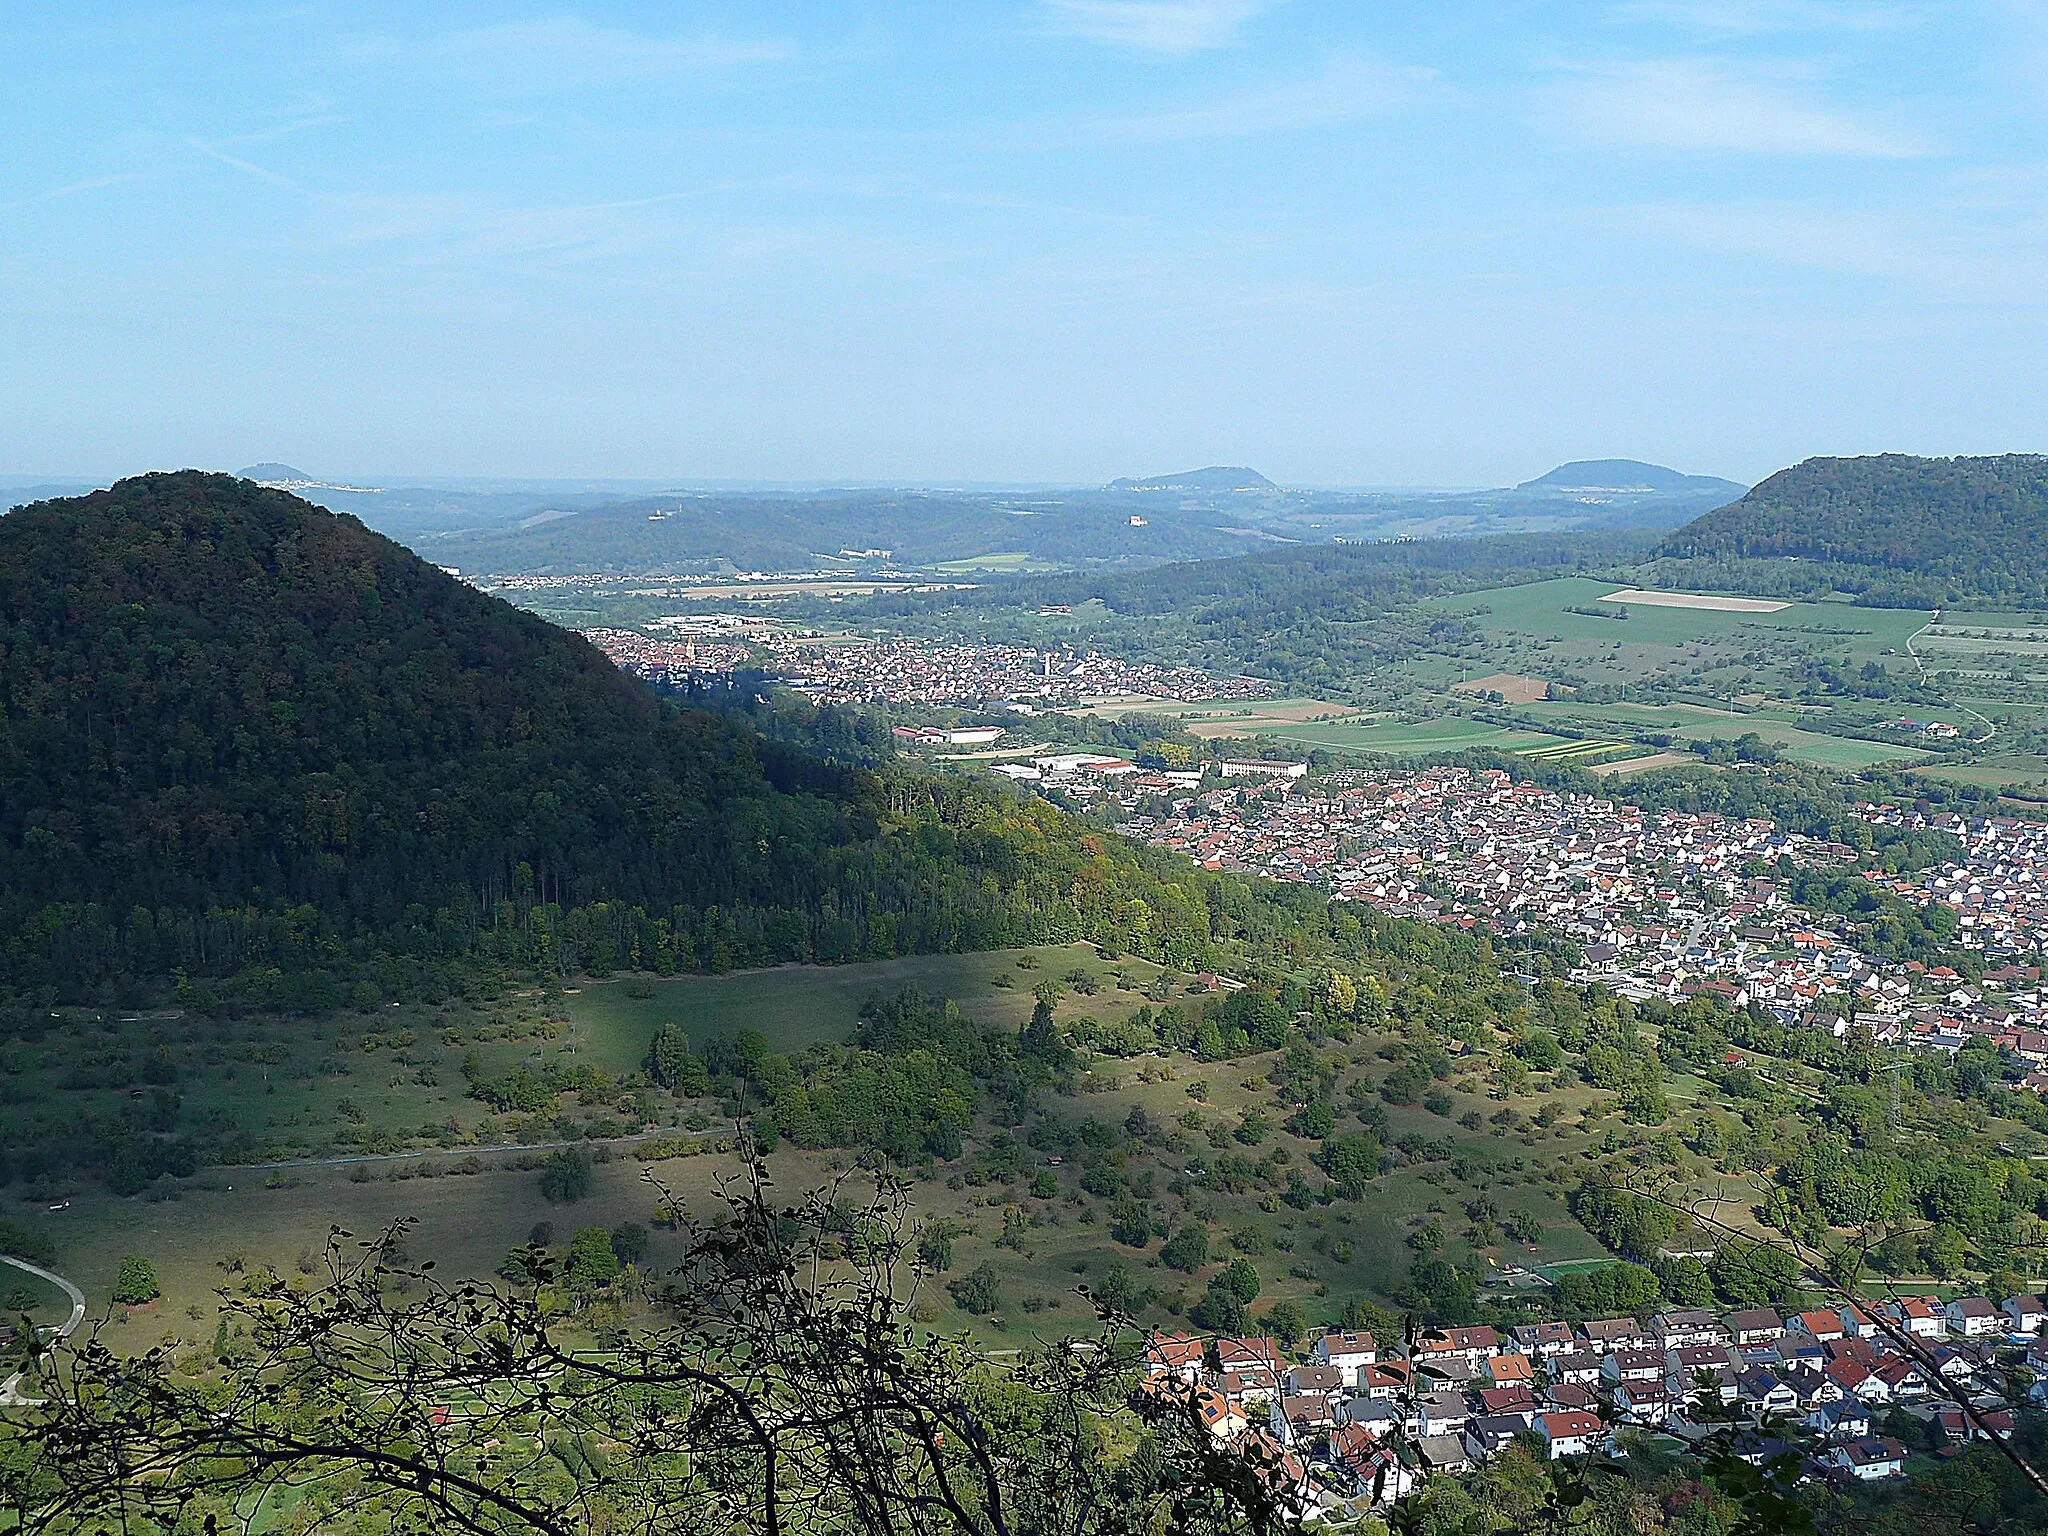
10	1389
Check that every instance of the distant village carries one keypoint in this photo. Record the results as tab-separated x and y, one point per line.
1663	904
1017	679
1357	1422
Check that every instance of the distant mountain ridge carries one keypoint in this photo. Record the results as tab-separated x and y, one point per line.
1627	475
1892	529
1216	478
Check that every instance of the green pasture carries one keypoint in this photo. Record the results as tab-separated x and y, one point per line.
1693	722
1995	772
1539	609
1397	738
800	1005
1009	561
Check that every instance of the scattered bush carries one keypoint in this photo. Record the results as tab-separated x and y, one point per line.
136	1282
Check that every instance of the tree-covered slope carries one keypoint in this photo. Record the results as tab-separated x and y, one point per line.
1890	528
247	739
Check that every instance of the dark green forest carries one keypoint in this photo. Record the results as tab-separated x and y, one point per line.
250	743
1895	530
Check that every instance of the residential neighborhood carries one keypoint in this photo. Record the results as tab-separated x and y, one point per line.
832	670
1855	1392
1662	904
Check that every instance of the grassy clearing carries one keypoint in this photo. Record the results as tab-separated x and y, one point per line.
800	1005
2024	768
1542	608
1012	561
393	1079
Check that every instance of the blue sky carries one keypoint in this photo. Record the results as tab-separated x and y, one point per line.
1360	243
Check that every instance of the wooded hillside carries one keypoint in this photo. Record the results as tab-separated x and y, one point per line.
1893	529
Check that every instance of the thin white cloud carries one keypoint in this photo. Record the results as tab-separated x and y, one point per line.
1154	26
90	184
282	130
1982	254
1704	105
248	168
571	51
1742	18
1347	89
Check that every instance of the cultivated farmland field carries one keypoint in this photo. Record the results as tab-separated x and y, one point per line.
1693	722
1567	630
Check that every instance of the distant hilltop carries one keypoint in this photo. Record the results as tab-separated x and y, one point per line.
1891	529
1617	476
1218	477
282	477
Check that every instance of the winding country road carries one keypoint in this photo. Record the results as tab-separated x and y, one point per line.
10	1389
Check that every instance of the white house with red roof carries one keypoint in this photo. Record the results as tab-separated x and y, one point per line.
1174	1354
1347	1351
1820	1327
1571	1433
1921	1317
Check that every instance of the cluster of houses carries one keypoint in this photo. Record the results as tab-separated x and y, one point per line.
1998	890
1662	901
1352	1421
1663	904
1022	678
932	673
667	659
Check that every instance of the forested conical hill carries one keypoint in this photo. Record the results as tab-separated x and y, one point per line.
1892	528
245	738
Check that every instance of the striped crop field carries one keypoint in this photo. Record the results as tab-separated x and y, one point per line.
1575	751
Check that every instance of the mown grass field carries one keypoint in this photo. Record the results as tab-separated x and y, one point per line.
32	1297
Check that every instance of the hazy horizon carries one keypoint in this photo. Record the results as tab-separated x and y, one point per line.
1035	243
